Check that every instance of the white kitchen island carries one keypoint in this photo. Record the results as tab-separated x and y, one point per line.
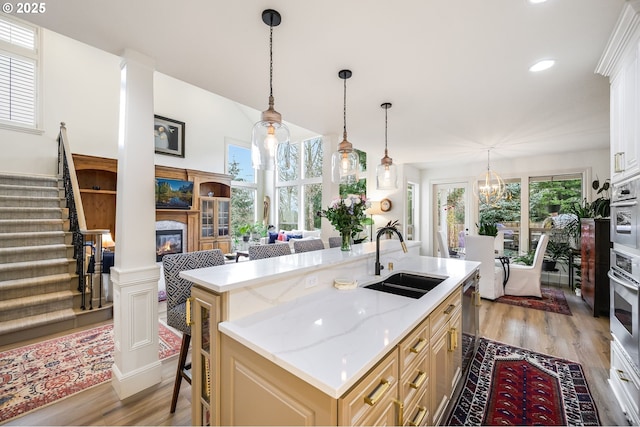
279	344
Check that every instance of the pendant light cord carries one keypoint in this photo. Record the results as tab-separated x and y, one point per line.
271	58
385	131
344	110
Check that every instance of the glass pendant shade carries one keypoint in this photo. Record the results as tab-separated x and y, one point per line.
386	171
269	132
345	163
489	187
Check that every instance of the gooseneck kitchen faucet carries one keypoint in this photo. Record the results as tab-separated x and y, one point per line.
380	231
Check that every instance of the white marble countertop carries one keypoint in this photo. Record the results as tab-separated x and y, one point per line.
333	337
232	276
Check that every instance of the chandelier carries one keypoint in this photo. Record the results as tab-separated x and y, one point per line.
489	187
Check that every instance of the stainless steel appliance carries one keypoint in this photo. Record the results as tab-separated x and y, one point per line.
625	301
625	213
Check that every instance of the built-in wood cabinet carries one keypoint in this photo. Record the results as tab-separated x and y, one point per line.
97	179
595	246
205	403
411	385
215	224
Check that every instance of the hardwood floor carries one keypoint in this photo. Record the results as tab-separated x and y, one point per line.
581	338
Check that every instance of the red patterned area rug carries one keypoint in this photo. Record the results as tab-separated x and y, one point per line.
509	385
40	374
552	300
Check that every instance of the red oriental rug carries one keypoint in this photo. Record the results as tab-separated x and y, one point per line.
40	374
509	385
552	300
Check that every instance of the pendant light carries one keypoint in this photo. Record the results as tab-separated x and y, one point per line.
269	132
345	162
489	186
386	171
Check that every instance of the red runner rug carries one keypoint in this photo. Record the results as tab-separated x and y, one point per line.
552	300
509	385
40	374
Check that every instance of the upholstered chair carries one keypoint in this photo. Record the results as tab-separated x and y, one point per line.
269	251
525	280
178	291
442	244
307	245
335	242
482	249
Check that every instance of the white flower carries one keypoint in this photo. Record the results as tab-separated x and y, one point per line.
348	202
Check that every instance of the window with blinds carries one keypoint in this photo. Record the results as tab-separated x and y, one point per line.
18	73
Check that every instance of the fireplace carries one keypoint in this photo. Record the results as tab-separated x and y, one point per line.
168	242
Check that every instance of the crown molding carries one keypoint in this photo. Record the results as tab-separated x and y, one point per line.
623	38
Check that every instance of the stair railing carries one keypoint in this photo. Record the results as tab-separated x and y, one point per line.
77	221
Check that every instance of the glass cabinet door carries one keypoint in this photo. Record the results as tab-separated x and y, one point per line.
223	218
206	212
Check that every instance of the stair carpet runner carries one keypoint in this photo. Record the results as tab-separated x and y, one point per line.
38	283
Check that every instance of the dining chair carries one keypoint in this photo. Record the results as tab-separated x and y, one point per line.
335	242
307	245
442	244
525	280
178	291
269	251
482	249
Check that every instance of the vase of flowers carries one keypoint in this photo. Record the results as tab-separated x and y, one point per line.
347	215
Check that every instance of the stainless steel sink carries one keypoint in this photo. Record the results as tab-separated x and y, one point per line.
406	284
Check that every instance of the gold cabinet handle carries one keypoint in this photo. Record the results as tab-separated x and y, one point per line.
449	309
453	339
378	392
417	382
189	302
400	411
621	376
422	343
478	299
417	420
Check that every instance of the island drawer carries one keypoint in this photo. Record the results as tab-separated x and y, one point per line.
414	346
415	381
373	396
445	311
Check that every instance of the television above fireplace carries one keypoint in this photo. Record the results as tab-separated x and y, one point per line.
173	194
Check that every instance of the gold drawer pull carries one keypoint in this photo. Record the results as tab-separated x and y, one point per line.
400	411
478	299
449	309
189	302
417	382
377	393
417	420
621	376
419	346
453	339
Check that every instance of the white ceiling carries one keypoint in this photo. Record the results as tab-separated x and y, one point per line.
456	71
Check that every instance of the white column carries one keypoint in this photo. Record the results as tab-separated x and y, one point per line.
135	274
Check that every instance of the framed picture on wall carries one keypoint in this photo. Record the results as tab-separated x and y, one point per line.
168	136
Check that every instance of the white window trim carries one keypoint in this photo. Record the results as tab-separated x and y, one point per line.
14	50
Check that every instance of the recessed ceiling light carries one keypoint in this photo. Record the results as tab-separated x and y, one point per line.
537	1
542	65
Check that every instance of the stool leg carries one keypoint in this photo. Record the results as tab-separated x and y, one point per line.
182	359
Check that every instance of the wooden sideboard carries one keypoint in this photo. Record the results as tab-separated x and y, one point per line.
595	246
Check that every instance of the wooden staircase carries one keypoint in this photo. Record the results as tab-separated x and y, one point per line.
38	281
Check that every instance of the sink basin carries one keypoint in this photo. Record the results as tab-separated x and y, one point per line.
406	284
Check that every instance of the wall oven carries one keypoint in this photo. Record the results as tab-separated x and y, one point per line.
625	302
625	213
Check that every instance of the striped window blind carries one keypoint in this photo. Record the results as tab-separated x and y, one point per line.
18	73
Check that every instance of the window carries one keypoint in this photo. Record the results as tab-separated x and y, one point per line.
19	58
243	187
299	185
506	213
412	205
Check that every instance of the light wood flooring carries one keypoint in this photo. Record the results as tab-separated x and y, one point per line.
581	338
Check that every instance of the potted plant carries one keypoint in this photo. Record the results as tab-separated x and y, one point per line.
526	259
556	251
487	228
245	231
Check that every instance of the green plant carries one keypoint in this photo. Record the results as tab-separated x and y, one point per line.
348	214
526	259
558	251
259	228
393	224
487	228
245	229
